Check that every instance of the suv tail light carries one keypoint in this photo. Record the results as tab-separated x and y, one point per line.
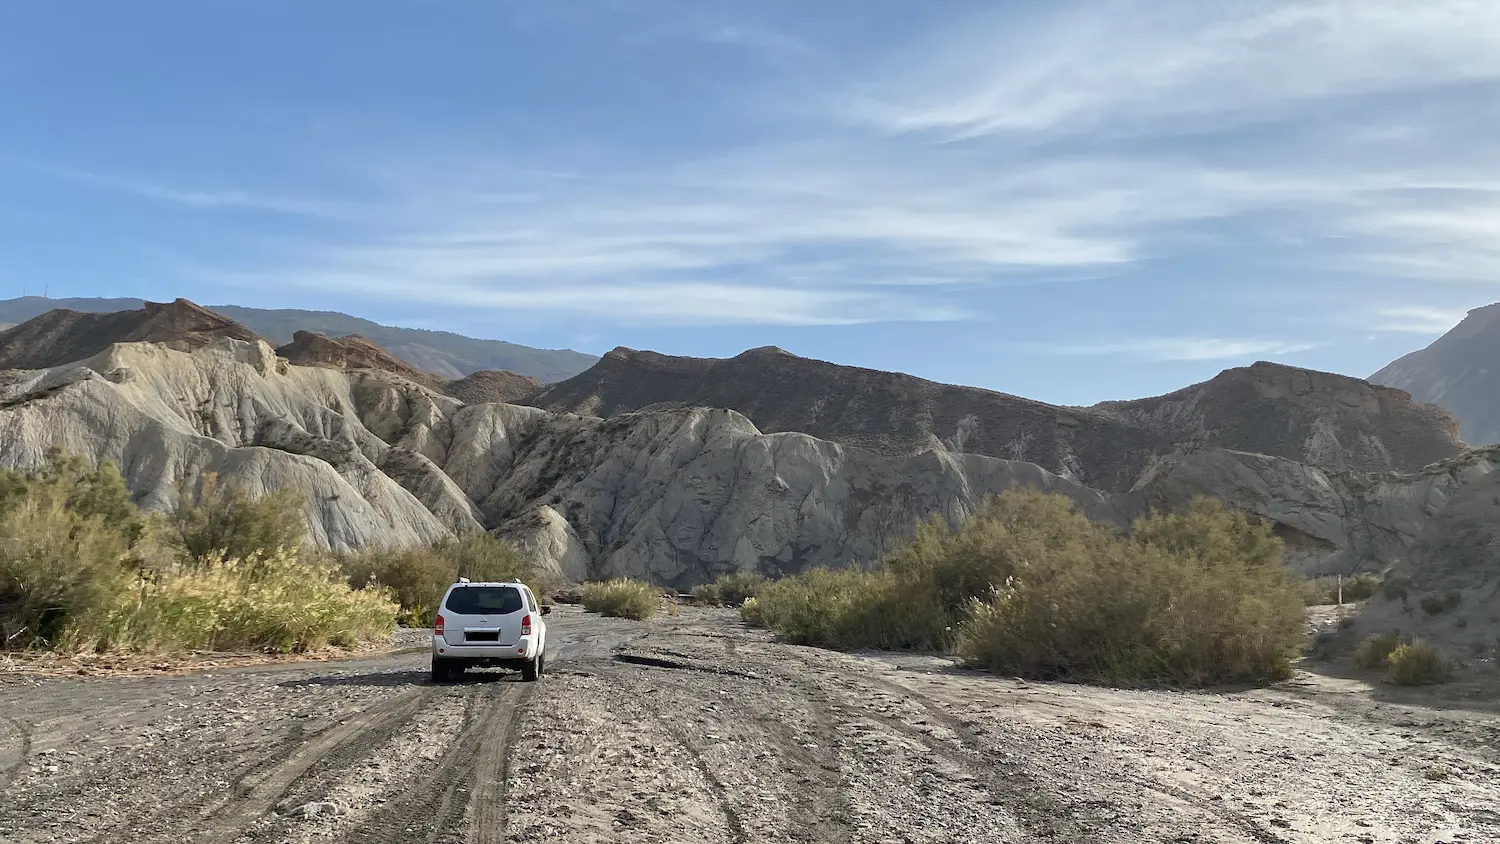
437	626
526	625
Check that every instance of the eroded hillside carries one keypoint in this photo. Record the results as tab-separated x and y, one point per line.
1321	419
678	495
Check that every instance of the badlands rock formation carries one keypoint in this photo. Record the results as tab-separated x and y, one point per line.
1310	417
62	336
681	494
675	495
1460	371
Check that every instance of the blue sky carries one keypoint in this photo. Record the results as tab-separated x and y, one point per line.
1069	201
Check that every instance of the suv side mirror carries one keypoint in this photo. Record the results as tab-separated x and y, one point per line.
546	609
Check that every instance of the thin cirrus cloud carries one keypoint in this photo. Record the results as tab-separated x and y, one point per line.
1418	320
1166	349
841	215
207	199
1139	63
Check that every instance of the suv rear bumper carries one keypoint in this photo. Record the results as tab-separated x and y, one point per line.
522	650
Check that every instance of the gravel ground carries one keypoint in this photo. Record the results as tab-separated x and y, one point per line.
696	729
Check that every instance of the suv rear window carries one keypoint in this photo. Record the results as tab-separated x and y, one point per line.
484	600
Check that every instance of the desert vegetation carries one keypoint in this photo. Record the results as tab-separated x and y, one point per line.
1318	591
1032	588
731	590
1406	662
417	577
621	598
81	569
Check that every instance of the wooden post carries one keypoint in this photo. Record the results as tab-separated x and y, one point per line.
1341	589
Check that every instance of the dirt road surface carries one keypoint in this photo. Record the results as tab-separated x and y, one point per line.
697	729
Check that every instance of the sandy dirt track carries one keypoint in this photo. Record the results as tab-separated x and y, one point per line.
697	729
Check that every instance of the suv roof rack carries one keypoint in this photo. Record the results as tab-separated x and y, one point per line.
464	580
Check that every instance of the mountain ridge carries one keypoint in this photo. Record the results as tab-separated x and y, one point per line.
1326	419
1460	371
443	353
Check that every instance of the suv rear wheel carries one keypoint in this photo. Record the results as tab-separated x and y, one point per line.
442	671
531	670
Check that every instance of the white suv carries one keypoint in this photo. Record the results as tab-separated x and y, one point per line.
497	624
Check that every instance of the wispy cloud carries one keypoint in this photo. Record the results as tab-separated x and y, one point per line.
1418	320
195	198
1136	63
685	303
850	213
1162	349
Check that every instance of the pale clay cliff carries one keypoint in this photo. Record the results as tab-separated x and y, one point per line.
677	495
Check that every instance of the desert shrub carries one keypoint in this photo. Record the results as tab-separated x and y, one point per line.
415	577
223	522
1417	663
1030	587
1192	598
418	577
483	557
67	535
730	590
80	568
1373	651
1439	604
280	603
1395	588
850	609
621	599
1325	590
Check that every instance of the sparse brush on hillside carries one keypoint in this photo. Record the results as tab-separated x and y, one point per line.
1417	663
81	569
621	599
1030	587
731	590
1322	591
1374	650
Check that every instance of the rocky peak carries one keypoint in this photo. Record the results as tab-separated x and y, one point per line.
64	336
309	348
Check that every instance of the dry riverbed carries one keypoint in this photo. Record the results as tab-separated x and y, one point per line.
697	729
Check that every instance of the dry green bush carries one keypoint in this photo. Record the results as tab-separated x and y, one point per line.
418	577
80	568
1319	591
281	603
66	533
621	599
1373	651
1417	663
850	609
223	522
731	590
1030	587
1439	604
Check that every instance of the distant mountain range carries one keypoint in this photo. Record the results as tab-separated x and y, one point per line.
441	353
1459	371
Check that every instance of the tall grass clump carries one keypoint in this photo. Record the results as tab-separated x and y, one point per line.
732	589
621	598
280	604
1030	587
81	569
